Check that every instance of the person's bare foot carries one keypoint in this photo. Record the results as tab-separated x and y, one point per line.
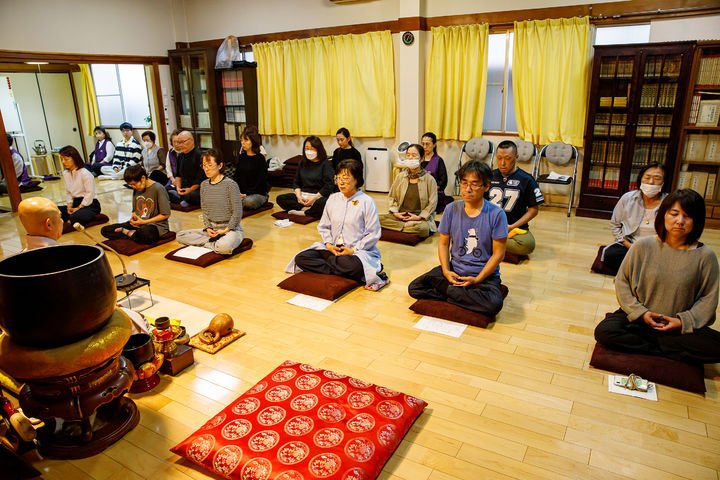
296	212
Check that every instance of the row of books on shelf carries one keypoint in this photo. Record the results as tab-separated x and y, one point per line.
702	182
232	79
655	67
646	152
624	68
656	118
610	180
709	71
647	131
234	97
658	95
704	113
233	131
607	152
613	101
615	130
618	118
235	114
702	148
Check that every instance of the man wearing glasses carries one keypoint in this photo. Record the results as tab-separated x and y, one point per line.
473	233
190	173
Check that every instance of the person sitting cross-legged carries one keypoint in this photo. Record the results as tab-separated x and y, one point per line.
472	240
150	211
128	152
221	209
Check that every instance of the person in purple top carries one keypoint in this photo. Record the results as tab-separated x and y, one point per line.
435	166
21	172
104	151
473	233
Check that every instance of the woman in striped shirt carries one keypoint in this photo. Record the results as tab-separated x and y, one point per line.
221	209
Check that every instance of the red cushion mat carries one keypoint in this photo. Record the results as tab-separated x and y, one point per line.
448	311
514	258
656	369
599	267
301	422
98	219
319	285
263	207
211	257
180	208
301	219
125	246
400	237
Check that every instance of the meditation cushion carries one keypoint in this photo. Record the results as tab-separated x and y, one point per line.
262	208
599	267
401	237
180	208
211	257
444	202
514	258
302	422
32	186
301	219
454	313
319	285
98	219
126	246
662	370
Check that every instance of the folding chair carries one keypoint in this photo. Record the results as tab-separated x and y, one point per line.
478	149
560	154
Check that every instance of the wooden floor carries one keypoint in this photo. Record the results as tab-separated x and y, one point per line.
517	400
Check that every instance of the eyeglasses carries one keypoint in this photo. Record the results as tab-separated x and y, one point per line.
471	185
343	179
209	165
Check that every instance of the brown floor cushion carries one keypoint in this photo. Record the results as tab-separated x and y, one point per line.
448	311
263	207
319	285
32	186
125	246
599	267
514	258
400	237
98	219
662	370
301	219
180	208
210	257
446	200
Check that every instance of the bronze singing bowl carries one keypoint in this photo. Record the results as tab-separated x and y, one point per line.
55	295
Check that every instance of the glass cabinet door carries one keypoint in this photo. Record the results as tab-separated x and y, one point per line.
183	93
198	75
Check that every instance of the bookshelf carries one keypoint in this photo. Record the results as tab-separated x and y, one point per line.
193	79
634	117
237	89
698	159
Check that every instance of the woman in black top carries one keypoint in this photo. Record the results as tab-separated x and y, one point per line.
313	182
434	165
251	170
345	149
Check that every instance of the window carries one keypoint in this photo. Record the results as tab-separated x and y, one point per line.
622	34
499	113
122	95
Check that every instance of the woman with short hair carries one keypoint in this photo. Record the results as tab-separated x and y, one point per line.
250	170
82	203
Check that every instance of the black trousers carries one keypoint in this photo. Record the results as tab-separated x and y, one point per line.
193	198
324	261
158	176
617	333
485	297
146	234
288	201
614	255
82	216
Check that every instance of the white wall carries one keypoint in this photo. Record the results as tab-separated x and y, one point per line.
696	28
441	8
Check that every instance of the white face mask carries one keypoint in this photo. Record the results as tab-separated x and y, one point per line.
650	190
311	154
147	144
412	163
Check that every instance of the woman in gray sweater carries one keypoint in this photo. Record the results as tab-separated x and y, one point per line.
667	288
221	209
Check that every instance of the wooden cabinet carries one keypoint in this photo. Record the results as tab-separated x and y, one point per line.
237	88
635	116
698	158
194	86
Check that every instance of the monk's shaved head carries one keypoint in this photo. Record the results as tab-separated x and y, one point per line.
40	216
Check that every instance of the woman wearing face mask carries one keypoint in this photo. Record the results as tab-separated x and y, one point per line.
413	198
153	158
104	150
634	214
313	182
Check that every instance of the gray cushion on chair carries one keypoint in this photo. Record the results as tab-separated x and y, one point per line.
559	153
477	148
525	150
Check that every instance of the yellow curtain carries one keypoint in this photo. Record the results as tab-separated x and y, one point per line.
551	61
90	112
314	86
456	81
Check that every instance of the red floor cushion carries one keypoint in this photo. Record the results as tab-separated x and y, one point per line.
454	313
400	237
128	247
302	422
514	258
180	208
662	370
262	208
301	219
599	267
98	219
210	257
319	285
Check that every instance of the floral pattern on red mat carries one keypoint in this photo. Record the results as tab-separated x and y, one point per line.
301	422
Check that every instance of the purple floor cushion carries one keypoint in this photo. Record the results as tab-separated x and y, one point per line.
126	246
400	237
